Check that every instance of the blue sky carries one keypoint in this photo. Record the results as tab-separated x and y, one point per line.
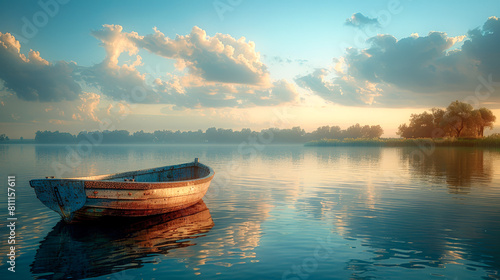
276	26
292	65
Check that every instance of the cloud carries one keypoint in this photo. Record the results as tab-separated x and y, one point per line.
415	63
412	71
359	20
120	82
194	95
33	78
344	90
88	107
212	71
220	58
221	71
484	47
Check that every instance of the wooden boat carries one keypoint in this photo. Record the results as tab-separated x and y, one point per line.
87	250
129	194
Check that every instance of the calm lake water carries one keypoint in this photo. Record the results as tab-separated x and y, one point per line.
283	212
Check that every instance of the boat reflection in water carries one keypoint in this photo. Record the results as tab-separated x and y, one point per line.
84	250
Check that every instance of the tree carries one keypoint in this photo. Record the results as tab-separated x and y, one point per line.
336	132
365	131
421	126
49	137
458	116
327	132
323	132
375	131
404	131
484	118
142	137
211	134
354	131
459	119
116	136
440	127
4	137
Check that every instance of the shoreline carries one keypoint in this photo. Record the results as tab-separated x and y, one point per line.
410	142
487	142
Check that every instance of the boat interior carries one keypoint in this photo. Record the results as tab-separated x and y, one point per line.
188	171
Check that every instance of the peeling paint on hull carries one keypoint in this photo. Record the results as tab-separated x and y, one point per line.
131	194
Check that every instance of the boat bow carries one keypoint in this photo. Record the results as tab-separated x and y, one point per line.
61	195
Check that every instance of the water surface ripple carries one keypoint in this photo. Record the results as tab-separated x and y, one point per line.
286	212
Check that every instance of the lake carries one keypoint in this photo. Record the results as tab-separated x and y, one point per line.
272	212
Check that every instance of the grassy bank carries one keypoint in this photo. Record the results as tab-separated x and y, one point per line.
491	142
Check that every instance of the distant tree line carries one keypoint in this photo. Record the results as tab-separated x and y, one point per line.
212	135
55	137
459	119
3	138
354	131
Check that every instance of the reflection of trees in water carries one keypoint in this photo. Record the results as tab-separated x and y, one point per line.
3	149
460	167
133	151
354	155
50	152
293	153
82	160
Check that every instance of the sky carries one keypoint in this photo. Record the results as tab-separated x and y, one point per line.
189	65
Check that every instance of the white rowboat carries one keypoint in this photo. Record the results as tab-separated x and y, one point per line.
129	194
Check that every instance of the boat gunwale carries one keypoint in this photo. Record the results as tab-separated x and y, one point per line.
132	185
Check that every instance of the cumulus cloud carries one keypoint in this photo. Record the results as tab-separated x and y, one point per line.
411	71
33	78
344	90
416	63
221	71
220	58
212	71
359	20
120	82
484	47
88	108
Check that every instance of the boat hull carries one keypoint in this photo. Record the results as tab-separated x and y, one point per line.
130	194
137	203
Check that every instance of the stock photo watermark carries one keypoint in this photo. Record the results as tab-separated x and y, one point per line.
11	222
224	6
